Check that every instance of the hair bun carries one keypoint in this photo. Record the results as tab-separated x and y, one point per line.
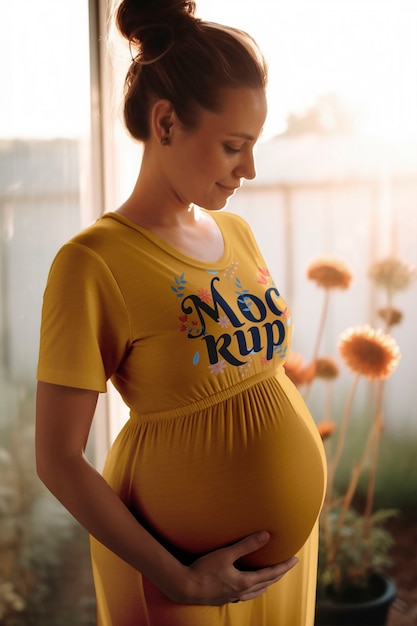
151	24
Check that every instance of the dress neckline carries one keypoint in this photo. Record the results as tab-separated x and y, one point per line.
171	250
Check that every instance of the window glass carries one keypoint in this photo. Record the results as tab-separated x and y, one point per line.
45	197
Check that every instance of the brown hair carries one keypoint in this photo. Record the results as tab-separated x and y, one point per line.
183	59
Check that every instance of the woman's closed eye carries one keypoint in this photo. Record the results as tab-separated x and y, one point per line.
231	149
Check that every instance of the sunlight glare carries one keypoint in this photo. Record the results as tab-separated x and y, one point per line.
366	52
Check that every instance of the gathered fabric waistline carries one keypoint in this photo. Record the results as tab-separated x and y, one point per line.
208	401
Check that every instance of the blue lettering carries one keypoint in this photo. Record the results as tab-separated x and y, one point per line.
246	309
273	341
213	312
242	342
272	306
220	346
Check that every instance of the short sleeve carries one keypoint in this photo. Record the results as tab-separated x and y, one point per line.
85	329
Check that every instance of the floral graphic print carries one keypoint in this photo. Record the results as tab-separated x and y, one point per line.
231	322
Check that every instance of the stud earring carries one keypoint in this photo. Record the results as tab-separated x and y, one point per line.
164	141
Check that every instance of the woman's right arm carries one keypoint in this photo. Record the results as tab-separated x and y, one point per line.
63	421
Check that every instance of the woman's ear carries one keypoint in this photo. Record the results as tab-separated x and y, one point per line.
162	120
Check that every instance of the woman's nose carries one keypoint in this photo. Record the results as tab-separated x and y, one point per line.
246	169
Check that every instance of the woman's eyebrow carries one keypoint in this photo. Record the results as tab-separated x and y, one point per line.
245	136
242	136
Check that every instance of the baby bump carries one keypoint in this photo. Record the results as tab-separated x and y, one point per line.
253	462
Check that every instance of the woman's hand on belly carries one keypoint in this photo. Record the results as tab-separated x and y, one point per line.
214	580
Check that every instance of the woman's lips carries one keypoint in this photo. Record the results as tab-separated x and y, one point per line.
227	189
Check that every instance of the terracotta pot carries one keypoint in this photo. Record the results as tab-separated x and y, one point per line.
371	613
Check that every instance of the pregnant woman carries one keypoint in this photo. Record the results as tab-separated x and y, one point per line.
206	513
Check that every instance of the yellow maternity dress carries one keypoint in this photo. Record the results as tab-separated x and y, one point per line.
219	443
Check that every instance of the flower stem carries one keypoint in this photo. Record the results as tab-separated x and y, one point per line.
356	472
320	331
334	462
378	425
319	336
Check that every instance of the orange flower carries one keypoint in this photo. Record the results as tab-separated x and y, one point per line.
204	295
297	370
326	428
330	273
264	277
392	274
326	367
390	315
369	352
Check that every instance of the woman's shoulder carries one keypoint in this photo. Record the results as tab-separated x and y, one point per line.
226	219
103	239
236	227
89	251
99	231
